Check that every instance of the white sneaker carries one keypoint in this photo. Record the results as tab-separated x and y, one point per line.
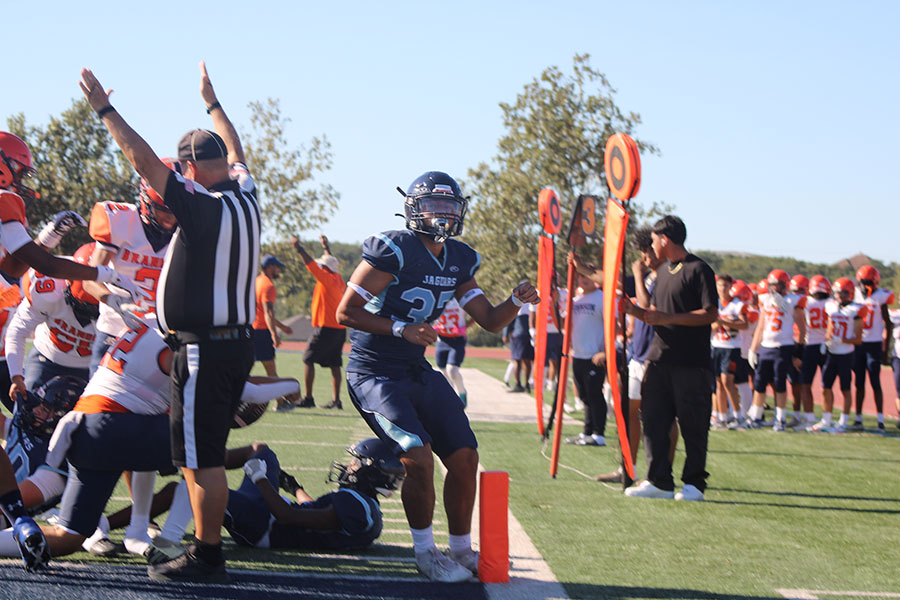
820	426
645	489
467	558
437	567
579	405
689	493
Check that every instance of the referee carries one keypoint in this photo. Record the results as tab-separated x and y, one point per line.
205	302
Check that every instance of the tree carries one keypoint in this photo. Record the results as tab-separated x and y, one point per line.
289	203
556	133
77	165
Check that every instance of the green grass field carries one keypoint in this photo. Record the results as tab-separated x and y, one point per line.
791	510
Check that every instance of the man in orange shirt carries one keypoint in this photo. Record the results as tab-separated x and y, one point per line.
265	325
327	341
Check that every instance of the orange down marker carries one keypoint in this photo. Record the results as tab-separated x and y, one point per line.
493	558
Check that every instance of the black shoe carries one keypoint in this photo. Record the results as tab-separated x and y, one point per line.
307	403
518	388
189	568
335	404
106	547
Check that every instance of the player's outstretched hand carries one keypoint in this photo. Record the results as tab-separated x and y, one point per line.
62	223
255	468
96	96
525	292
121	301
288	483
206	89
422	334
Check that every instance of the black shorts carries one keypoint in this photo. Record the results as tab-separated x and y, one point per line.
554	346
520	347
326	347
773	368
867	357
837	366
725	360
813	359
207	381
263	346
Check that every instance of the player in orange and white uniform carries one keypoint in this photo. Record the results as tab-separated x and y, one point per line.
726	349
742	375
813	357
799	286
61	317
450	348
133	239
16	165
845	331
877	329
10	296
773	349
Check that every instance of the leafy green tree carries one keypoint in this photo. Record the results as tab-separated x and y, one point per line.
290	202
556	134
77	164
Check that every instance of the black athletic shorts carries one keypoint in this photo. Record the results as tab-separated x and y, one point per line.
326	346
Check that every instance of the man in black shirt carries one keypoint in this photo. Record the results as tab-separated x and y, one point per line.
678	381
205	304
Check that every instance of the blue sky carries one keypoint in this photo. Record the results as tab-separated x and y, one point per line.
777	121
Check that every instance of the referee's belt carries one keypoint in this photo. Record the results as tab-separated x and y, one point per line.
214	334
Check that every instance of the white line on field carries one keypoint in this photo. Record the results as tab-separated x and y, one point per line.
815	594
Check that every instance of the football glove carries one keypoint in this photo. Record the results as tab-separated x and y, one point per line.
255	468
62	223
121	301
288	483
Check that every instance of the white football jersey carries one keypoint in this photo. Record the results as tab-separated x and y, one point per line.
894	313
117	227
725	337
842	319
134	372
816	320
777	318
873	324
58	335
452	322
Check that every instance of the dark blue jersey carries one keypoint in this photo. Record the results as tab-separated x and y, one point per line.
26	451
358	514
643	333
422	286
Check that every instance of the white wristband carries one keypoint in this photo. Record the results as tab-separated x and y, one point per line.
469	296
397	328
514	300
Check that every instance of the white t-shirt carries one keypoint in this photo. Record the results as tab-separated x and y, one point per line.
587	325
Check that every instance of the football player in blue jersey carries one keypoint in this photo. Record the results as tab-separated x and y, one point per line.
348	518
400	287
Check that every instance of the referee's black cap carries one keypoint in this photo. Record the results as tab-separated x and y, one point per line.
201	144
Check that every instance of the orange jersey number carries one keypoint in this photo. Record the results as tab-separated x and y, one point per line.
774	317
818	318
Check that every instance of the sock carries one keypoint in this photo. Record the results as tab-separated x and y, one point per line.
510	369
423	539
858	419
844	418
755	412
779	414
746	396
136	538
881	418
211	554
180	514
456	379
826	418
460	543
740	415
11	504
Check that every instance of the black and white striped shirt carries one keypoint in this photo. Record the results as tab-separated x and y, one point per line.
208	279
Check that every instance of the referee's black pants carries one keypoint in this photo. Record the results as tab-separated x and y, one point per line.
670	391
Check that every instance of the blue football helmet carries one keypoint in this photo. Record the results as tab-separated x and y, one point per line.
42	408
373	470
435	206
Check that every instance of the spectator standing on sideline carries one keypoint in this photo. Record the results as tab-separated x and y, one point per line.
210	262
450	348
521	350
326	344
266	326
677	381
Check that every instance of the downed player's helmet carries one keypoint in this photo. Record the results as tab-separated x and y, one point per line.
373	470
84	305
16	165
435	205
41	409
819	284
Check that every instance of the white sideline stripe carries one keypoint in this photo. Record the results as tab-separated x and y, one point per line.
814	594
